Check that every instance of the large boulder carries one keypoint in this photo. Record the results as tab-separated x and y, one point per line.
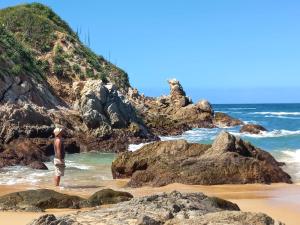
38	200
23	152
107	196
172	208
252	129
41	199
229	160
32	152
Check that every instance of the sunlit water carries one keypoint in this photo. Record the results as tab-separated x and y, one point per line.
92	169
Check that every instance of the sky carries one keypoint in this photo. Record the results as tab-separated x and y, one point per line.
229	51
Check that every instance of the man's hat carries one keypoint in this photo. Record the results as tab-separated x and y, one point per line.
57	131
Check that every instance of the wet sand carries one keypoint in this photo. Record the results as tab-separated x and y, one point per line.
280	201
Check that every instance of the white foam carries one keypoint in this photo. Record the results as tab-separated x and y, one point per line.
282	117
277	113
134	147
240	108
76	165
292	156
195	135
269	134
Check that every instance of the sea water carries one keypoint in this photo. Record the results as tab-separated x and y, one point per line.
282	140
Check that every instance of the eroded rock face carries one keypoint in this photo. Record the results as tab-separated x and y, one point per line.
102	105
24	121
25	89
229	160
173	208
41	199
252	129
177	94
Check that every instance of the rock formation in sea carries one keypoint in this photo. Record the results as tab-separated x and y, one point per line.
175	113
252	129
174	208
229	160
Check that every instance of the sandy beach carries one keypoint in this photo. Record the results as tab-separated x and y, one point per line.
280	201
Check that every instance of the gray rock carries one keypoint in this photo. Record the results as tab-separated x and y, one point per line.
41	199
180	208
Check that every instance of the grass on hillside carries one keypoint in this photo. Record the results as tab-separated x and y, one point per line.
15	59
36	26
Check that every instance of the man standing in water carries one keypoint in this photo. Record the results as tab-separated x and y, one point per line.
59	159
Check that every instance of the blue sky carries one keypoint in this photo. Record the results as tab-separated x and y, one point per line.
229	51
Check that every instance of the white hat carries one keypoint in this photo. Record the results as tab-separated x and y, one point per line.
57	131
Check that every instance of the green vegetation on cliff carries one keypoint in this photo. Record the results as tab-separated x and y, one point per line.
43	32
15	59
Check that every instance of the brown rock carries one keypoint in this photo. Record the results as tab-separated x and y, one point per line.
252	129
224	120
38	165
230	160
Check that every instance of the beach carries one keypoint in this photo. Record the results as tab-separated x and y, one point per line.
280	201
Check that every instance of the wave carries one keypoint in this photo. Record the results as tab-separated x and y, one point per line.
240	108
134	147
282	117
292	156
72	164
269	134
277	113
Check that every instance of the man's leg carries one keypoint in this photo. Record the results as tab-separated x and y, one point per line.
56	180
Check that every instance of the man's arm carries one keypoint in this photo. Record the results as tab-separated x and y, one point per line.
58	149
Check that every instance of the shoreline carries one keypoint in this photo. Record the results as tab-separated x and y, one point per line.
280	201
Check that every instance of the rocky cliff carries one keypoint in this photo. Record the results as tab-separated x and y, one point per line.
49	78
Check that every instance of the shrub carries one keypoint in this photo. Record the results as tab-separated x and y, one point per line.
58	70
89	72
76	68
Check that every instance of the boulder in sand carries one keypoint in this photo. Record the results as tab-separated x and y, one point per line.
41	199
172	208
229	160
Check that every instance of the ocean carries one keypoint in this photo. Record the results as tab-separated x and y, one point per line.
282	140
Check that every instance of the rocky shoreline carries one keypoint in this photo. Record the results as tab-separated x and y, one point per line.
173	208
59	82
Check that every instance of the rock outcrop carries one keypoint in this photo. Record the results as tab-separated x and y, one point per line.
32	152
41	199
252	129
172	114
229	160
224	120
173	208
175	113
